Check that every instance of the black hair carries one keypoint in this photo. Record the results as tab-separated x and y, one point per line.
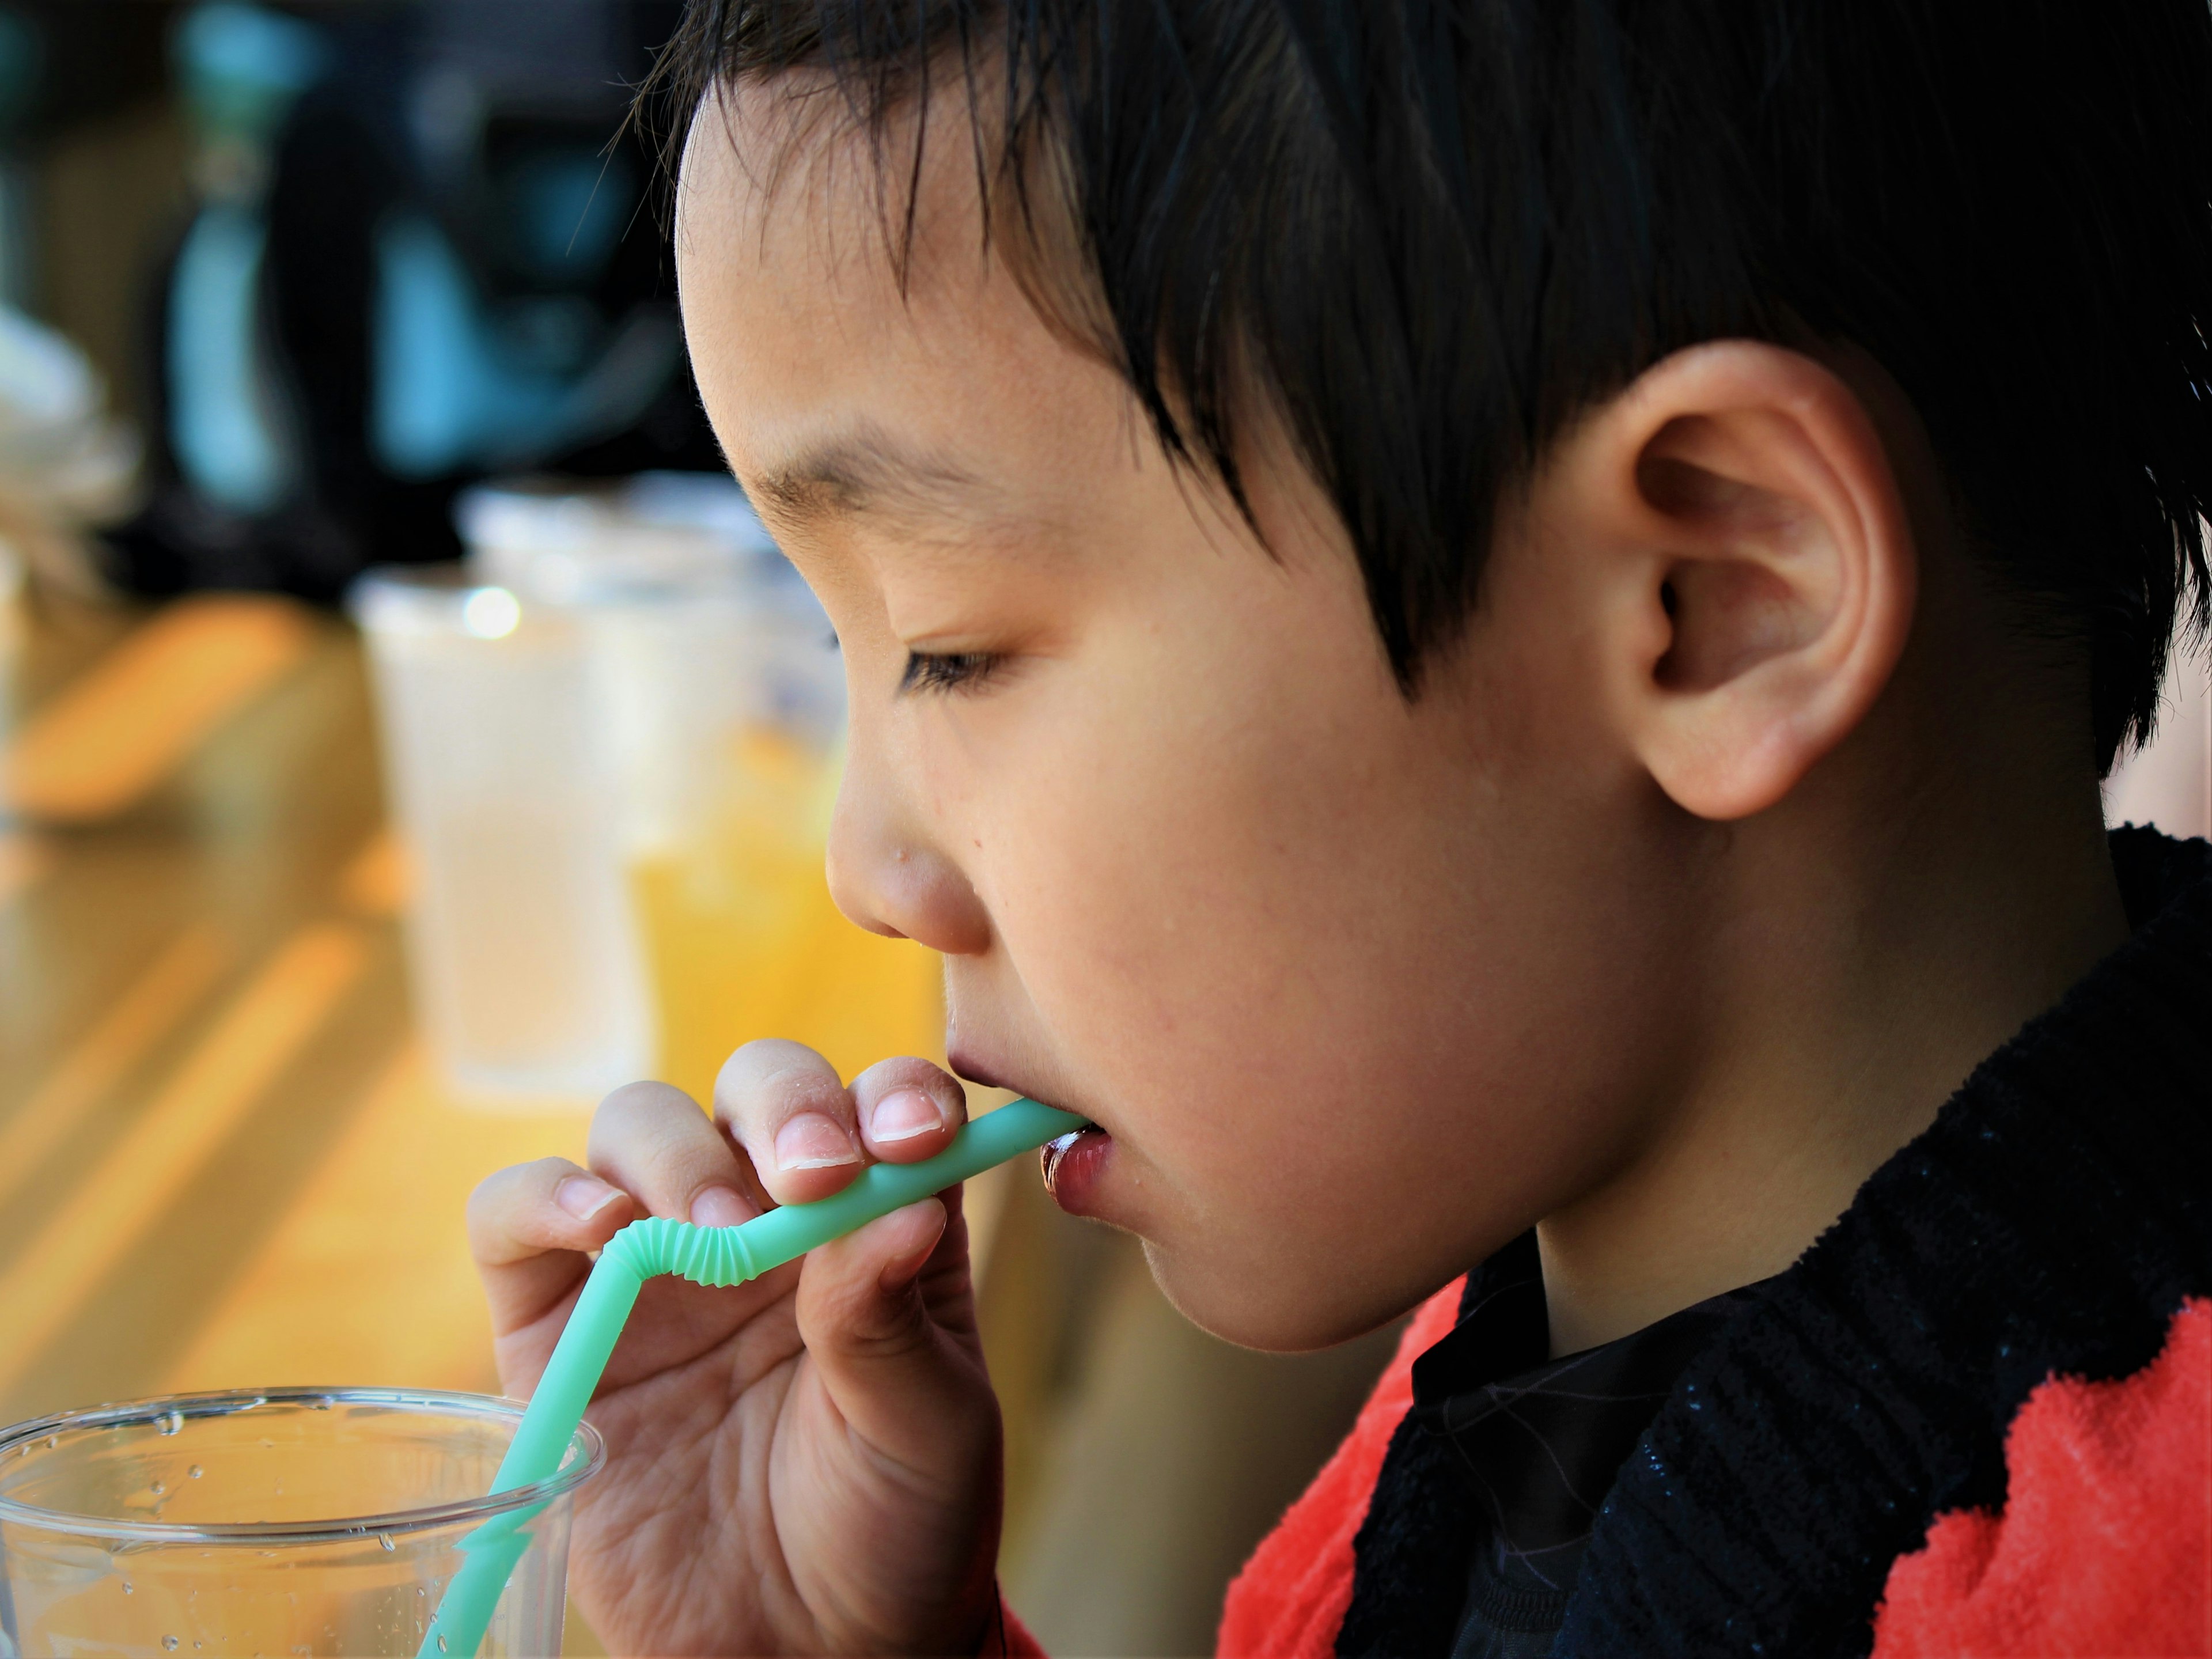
1432	231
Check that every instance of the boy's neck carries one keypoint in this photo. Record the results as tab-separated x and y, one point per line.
1880	932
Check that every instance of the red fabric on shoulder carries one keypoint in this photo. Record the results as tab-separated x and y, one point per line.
1290	1600
2104	1547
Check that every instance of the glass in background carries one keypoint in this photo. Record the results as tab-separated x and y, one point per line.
522	948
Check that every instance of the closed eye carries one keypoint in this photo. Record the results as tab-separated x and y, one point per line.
946	671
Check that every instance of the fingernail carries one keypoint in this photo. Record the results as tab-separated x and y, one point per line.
903	1115
812	1141
584	1196
721	1207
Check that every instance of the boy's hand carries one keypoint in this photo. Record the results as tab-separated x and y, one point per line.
807	1463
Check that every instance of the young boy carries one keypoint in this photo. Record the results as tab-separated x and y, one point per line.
1486	630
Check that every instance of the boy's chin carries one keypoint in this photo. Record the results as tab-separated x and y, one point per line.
1271	1312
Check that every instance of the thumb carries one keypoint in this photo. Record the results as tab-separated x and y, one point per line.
897	1376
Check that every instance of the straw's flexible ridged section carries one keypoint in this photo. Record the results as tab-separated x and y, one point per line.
705	1256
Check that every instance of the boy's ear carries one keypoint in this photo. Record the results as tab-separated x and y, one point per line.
1751	549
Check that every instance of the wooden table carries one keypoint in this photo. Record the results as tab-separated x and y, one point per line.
223	1160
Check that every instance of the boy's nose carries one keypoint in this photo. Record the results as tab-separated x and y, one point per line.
895	883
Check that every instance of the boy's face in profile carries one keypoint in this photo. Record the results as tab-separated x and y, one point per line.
1359	987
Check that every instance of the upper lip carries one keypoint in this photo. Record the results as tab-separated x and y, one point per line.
965	1065
981	1072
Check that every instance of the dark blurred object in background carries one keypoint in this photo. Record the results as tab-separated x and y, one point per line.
64	65
72	79
418	254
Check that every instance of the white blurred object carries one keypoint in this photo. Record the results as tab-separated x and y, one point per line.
555	541
696	626
564	709
64	463
2169	782
522	952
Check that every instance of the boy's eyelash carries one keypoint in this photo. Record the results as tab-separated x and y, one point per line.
945	670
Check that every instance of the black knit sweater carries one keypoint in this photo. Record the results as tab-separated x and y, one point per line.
2052	1219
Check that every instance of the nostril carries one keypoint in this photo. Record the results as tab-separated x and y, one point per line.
900	887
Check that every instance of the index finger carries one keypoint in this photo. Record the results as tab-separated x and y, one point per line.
529	1229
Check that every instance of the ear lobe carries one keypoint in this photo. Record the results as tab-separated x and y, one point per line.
1772	564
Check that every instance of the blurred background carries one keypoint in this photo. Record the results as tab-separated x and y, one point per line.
407	732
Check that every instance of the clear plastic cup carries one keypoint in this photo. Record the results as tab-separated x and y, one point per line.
524	955
296	1522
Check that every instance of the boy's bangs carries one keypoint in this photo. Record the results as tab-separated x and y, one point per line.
1428	233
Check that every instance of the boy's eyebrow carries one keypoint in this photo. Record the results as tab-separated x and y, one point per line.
864	472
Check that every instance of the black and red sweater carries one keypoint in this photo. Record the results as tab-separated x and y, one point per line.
1976	1417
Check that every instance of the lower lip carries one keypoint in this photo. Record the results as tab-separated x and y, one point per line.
1074	1166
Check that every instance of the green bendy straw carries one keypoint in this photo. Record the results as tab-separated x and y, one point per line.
705	1256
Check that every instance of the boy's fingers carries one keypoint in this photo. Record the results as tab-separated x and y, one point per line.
894	1374
528	1227
908	1109
785	1105
654	1142
551	1205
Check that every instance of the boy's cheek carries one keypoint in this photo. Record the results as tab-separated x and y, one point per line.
1279	951
1287	1185
1315	1124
